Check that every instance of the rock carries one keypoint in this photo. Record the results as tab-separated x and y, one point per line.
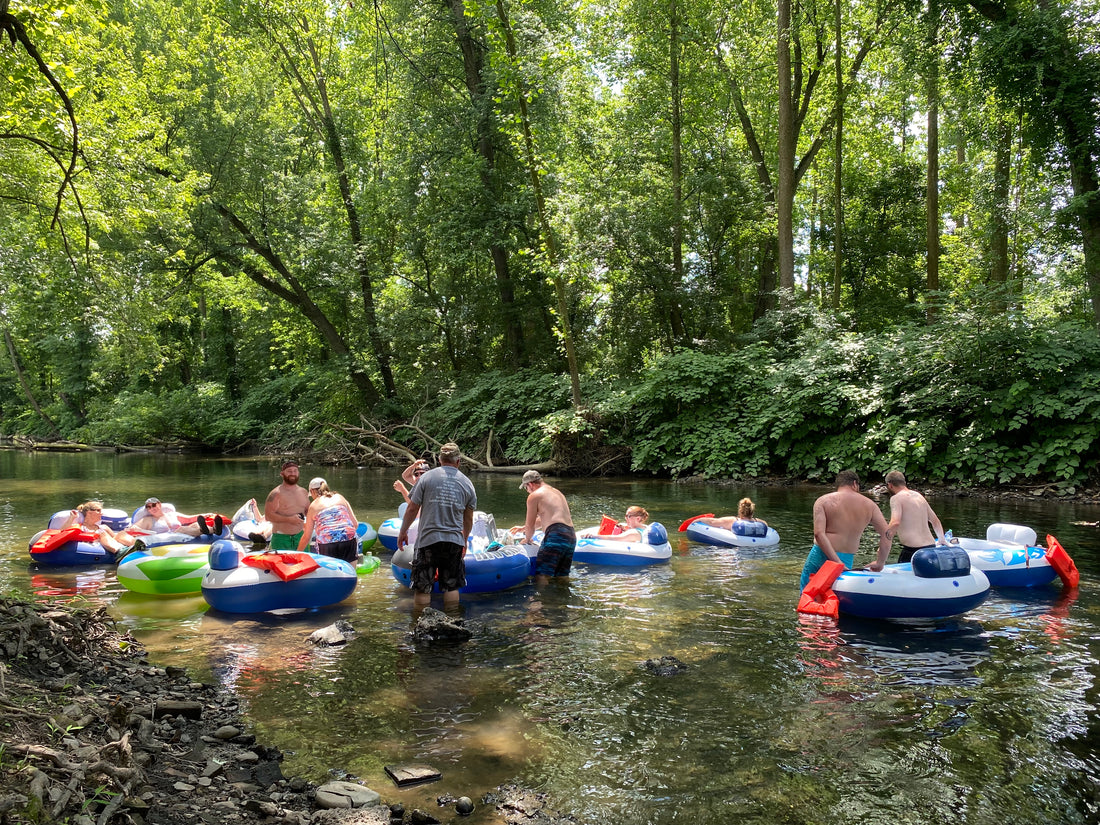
375	815
345	795
338	633
419	817
665	666
464	806
226	732
405	775
434	626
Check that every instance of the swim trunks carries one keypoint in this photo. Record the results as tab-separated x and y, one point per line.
443	560
555	556
907	552
286	542
815	558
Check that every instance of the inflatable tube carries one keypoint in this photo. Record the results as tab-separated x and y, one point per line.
246	588
166	570
111	516
1008	556
367	536
71	547
655	549
389	529
487	571
250	530
742	534
896	593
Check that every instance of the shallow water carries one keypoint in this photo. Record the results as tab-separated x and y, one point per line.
990	718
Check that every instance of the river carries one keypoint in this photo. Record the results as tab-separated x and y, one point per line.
990	718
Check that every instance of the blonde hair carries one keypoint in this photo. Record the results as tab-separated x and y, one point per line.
90	505
745	508
635	510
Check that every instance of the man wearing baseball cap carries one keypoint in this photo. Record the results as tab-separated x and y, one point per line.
445	500
547	506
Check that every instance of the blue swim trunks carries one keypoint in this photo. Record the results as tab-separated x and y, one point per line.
556	551
815	558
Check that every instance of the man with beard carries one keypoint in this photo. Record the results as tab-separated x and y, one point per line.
285	508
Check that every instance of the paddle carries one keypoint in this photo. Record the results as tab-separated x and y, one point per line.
684	526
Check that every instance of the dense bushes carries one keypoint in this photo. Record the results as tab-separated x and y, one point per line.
970	400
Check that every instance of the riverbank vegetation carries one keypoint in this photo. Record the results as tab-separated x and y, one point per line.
644	237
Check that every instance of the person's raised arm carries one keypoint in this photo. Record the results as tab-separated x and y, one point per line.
937	527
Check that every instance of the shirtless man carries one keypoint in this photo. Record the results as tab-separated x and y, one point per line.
839	521
547	506
910	516
286	508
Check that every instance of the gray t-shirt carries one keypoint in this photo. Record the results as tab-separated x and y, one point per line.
443	495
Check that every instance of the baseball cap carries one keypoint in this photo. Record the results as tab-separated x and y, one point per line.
529	477
290	462
152	501
316	483
450	451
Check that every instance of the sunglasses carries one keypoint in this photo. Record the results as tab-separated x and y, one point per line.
94	510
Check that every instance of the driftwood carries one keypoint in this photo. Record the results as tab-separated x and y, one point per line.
376	443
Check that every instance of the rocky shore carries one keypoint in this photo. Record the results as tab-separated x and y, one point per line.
91	733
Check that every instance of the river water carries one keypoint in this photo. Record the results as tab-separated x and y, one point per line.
990	718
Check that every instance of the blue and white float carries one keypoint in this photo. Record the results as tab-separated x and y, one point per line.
172	536
743	533
72	546
653	549
1009	556
939	582
240	582
490	565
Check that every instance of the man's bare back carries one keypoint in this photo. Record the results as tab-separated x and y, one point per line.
840	519
910	515
546	505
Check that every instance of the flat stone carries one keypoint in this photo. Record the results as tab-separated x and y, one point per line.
345	795
226	732
404	775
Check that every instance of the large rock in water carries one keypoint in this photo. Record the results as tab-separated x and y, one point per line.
436	627
665	666
337	633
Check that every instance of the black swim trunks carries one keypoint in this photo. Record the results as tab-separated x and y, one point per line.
907	552
347	550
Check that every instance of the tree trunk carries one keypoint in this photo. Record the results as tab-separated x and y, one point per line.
17	365
473	63
838	164
676	318
999	211
784	190
932	182
546	230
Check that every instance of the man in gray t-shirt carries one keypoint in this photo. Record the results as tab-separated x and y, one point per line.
445	500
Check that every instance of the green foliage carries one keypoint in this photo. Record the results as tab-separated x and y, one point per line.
971	400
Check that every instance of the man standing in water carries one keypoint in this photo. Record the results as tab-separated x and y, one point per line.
546	506
910	515
445	500
839	521
286	508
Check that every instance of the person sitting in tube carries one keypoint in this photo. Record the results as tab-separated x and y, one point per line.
411	475
633	529
746	511
158	519
88	516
